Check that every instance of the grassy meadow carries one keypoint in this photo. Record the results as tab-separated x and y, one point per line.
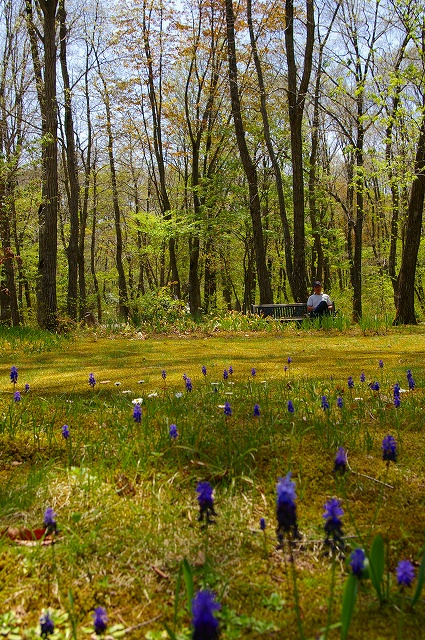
124	492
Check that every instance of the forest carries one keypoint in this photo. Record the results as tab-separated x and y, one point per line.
219	153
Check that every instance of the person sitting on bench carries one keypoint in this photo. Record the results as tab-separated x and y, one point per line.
319	303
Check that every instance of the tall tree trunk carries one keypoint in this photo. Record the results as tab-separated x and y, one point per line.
296	101
405	299
270	149
122	283
264	284
48	210
72	172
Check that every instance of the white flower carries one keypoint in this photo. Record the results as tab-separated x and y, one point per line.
137	401
179	394
153	395
140	381
118	384
127	391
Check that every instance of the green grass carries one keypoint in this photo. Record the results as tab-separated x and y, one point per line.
124	493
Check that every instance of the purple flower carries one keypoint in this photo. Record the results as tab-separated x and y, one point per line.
357	559
137	412
350	382
333	525
47	626
362	377
49	520
230	370
405	573
65	431
289	360
286	509
173	431
381	364
163	374
188	384
340	402
290	406
285	368
410	379
92	380
227	409
375	386
204	622
256	410
13	374
27	387
17	396
206	502
204	370
396	395
389	449
325	403
225	374
253	372
100	620
184	377
262	524
340	460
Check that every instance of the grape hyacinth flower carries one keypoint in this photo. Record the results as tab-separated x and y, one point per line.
340	402
325	403
163	374
357	560
65	431
340	463
92	380
362	377
396	395
225	374
253	372
286	509
100	620
206	503
173	432
285	368
13	374
375	386
405	573
230	370
49	520
204	622
257	412
27	387
410	379
333	525
184	377
204	370
289	360
262	524
227	409
137	413
17	396
188	384
350	382
389	449
290	406
47	626
381	364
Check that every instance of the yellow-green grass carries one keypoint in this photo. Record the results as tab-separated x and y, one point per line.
125	497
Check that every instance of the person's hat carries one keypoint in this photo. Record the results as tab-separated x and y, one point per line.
317	284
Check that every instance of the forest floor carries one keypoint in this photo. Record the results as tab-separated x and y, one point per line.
248	407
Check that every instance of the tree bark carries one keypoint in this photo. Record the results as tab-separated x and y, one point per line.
48	210
264	284
405	298
296	101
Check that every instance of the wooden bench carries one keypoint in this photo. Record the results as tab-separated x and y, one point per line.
293	312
